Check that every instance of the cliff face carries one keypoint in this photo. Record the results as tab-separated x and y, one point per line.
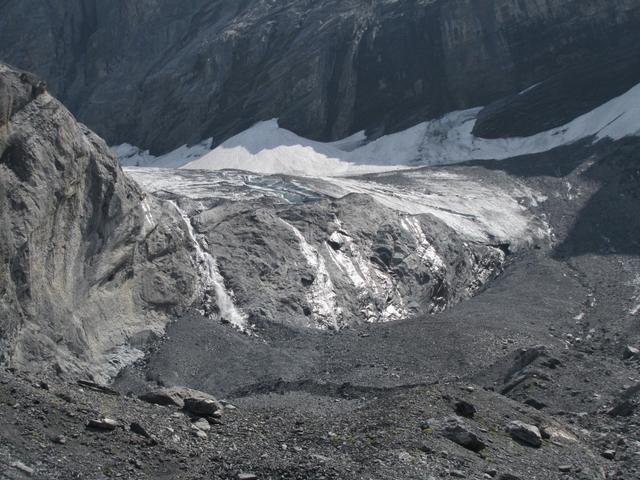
159	74
88	262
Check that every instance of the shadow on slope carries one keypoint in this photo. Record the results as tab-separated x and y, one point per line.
609	222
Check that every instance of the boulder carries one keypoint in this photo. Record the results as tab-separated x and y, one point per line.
173	396
455	429
203	406
525	433
106	424
630	352
465	409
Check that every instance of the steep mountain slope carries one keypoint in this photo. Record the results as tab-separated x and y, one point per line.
89	264
158	75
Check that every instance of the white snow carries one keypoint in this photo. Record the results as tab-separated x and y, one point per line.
478	211
212	279
322	295
266	148
132	156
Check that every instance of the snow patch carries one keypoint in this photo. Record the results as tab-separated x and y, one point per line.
132	156
266	148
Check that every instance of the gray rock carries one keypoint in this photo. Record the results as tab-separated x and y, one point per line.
625	408
172	396
204	405
609	454
107	424
630	352
139	429
199	434
247	476
201	424
465	409
455	429
63	192
23	468
525	433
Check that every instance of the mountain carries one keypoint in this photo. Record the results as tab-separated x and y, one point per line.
403	243
158	75
90	265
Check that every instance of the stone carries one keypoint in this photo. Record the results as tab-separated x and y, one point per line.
199	433
532	402
201	424
630	352
23	468
455	429
622	409
525	433
139	429
107	424
565	468
173	396
247	476
203	406
465	409
609	454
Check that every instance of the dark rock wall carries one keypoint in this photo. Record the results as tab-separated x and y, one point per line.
158	73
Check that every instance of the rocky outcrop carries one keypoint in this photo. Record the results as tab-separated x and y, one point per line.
331	264
161	74
89	264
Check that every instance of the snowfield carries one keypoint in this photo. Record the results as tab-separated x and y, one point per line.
266	148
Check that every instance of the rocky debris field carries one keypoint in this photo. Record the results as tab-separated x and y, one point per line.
54	430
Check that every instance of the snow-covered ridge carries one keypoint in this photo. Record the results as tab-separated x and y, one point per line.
268	149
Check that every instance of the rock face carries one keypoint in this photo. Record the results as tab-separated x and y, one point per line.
83	251
161	74
331	264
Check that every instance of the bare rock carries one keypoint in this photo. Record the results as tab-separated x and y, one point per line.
525	433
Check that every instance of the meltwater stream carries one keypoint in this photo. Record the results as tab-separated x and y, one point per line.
212	280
